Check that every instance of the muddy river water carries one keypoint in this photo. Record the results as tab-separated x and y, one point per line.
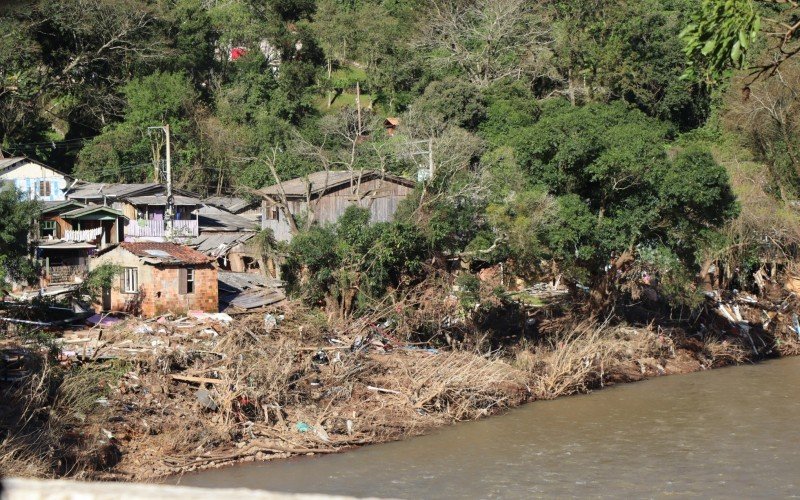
733	432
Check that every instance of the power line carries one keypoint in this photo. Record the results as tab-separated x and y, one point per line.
52	144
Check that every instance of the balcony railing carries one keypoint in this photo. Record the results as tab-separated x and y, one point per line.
143	228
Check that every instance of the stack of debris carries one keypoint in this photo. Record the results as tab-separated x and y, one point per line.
248	291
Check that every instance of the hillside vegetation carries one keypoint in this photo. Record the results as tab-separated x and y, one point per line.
612	185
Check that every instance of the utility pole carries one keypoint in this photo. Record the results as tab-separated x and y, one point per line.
422	148
169	212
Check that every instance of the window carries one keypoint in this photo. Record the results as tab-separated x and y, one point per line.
44	188
130	280
185	280
273	213
47	228
190	280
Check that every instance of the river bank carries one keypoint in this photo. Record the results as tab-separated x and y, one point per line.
144	401
724	433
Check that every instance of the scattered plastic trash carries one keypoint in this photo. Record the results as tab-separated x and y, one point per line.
320	357
270	322
202	316
204	398
320	433
102	319
143	329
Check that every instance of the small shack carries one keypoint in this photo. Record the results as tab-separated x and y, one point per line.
326	195
159	278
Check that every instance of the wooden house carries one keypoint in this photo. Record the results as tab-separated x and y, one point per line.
225	236
35	180
70	232
244	207
324	196
144	206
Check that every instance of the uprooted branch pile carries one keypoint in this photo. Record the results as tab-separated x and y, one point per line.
147	399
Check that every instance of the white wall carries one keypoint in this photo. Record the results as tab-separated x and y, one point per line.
27	174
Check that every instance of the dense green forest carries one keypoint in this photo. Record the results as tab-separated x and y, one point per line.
570	137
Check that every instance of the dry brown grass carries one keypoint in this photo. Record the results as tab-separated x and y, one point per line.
724	351
42	412
585	355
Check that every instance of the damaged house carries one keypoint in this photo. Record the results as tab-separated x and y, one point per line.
159	278
324	196
247	208
224	237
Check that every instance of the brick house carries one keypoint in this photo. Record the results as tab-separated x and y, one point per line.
159	278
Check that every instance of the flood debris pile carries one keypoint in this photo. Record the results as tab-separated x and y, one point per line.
142	399
177	394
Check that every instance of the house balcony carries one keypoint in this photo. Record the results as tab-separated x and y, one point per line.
146	228
83	235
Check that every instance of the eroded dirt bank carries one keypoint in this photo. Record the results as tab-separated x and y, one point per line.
144	400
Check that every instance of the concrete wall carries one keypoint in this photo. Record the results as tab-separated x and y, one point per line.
30	489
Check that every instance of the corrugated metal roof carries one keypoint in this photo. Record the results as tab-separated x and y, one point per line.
7	162
161	199
53	206
214	219
86	210
231	281
253	299
230	203
319	182
65	245
97	190
218	244
249	290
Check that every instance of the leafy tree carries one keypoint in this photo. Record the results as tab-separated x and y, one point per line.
351	261
608	50
616	191
18	218
510	107
722	34
123	151
452	101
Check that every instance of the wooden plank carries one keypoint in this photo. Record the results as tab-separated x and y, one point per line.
196	380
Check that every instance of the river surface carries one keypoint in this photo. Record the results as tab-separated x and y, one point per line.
733	432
